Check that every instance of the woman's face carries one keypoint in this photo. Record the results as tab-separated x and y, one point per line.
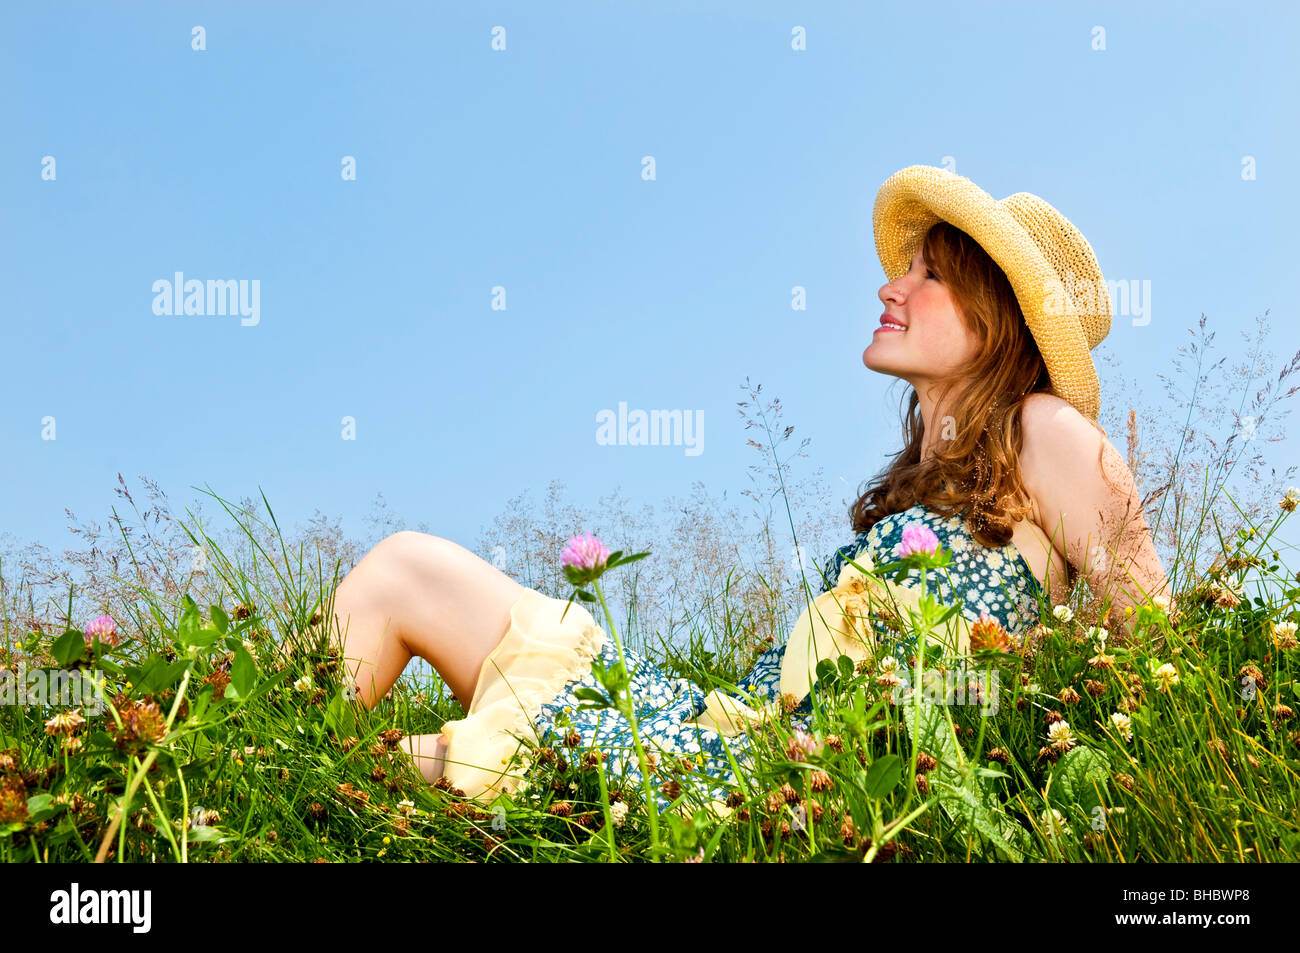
936	344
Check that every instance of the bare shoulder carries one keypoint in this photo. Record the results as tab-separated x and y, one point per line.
1041	407
1055	436
1087	502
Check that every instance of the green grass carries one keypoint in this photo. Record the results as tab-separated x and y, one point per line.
203	728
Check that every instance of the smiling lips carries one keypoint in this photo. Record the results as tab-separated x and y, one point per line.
888	323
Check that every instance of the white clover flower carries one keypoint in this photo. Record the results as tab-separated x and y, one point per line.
1063	613
1284	635
1123	724
887	671
1060	735
1055	823
1161	603
1167	675
406	807
303	684
618	812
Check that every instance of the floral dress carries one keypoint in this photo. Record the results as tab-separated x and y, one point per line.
996	581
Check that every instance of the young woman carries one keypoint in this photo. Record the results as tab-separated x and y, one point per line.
990	312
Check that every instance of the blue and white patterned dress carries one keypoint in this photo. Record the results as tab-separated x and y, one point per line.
996	581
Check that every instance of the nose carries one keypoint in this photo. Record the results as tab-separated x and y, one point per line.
890	291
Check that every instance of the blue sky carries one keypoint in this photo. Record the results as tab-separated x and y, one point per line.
522	169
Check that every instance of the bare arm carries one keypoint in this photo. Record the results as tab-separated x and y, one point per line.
1090	508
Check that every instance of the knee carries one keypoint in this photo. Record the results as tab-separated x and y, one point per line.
404	540
405	567
406	549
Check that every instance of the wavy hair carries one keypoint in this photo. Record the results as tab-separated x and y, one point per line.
974	466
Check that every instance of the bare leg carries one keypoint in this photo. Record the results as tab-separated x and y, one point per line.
418	594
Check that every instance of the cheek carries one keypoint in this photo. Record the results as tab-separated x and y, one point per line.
950	344
959	340
942	337
954	336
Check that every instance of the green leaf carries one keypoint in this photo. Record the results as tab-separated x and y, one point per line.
960	796
846	667
203	637
968	807
199	704
190	622
883	775
339	717
211	835
614	679
242	671
592	700
157	675
826	673
931	732
856	714
41	806
1078	776
219	618
68	647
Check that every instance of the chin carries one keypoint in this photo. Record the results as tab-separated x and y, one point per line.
889	370
872	362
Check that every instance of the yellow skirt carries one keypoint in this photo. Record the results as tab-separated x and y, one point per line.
538	656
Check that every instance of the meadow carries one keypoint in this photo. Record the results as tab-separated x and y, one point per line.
230	735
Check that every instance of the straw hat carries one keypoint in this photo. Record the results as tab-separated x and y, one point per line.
1050	265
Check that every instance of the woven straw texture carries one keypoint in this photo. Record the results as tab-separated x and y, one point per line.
1050	265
